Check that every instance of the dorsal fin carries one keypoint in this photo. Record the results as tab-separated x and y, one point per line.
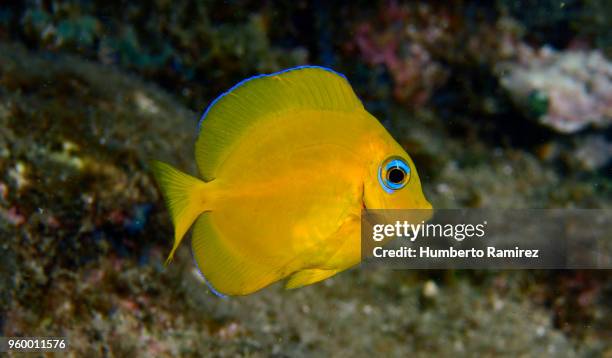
231	114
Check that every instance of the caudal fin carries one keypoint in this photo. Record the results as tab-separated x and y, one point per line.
184	198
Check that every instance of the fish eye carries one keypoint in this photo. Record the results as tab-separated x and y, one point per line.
393	174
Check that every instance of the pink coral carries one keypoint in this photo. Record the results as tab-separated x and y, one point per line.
399	41
12	216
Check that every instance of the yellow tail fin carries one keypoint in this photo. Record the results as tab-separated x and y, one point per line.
184	199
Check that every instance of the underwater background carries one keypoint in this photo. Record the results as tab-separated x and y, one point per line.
503	104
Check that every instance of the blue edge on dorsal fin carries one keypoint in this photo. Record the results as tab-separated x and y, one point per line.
211	105
210	286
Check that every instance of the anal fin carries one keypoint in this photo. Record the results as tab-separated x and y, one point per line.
308	277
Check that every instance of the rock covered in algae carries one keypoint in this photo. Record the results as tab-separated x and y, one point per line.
74	187
185	46
566	90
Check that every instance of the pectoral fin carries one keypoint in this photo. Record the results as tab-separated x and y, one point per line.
308	277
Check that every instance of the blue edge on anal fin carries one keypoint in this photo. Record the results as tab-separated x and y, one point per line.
210	286
260	76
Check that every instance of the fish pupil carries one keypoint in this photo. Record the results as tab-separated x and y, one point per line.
396	175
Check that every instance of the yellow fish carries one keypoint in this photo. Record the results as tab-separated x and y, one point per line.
287	163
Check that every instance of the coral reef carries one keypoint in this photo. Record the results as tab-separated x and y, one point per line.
83	231
85	238
425	46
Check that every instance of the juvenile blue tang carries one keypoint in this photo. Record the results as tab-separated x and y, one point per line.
287	162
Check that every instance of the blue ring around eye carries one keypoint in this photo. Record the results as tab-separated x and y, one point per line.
387	185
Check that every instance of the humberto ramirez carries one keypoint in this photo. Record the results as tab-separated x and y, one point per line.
451	252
